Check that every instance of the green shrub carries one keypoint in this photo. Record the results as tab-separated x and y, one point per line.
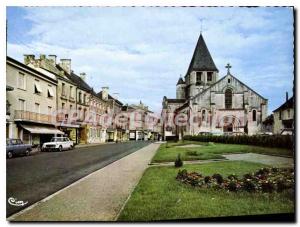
232	186
280	141
178	161
218	178
249	186
192	153
266	181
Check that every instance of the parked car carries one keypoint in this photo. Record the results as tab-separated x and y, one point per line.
17	147
58	144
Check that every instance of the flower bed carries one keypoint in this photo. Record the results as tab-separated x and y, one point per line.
266	180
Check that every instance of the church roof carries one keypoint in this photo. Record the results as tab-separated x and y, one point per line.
223	79
175	100
288	104
180	81
201	60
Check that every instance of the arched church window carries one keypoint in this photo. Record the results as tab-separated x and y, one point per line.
228	99
203	115
254	115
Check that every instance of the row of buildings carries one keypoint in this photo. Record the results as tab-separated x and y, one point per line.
205	103
45	98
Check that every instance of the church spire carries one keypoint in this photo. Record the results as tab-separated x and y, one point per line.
180	81
201	60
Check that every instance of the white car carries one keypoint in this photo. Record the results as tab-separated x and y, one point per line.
58	144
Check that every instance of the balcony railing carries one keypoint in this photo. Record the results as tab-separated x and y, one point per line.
22	115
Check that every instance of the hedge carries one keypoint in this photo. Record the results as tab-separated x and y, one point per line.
280	141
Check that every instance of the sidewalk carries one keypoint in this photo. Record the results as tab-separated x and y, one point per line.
96	197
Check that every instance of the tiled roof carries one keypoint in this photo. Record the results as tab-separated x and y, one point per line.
80	82
110	97
288	104
180	81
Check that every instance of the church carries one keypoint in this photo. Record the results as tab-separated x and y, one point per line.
205	104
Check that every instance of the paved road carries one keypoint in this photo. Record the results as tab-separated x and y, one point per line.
35	177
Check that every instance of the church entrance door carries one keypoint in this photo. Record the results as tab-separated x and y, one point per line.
228	128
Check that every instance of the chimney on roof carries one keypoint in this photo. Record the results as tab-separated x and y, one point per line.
52	58
105	93
42	56
83	76
286	96
28	58
66	65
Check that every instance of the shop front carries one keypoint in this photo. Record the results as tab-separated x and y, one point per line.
37	134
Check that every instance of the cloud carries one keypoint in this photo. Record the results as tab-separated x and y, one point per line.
140	52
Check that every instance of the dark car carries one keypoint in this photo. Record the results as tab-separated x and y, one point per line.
17	147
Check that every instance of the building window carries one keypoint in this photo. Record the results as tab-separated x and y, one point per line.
280	115
198	77
63	106
21	104
203	115
63	89
209	76
71	107
37	88
228	99
84	98
79	97
71	91
288	113
21	81
50	92
228	81
254	115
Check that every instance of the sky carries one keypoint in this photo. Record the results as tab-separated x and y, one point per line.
140	52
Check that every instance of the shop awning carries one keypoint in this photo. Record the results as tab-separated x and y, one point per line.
34	129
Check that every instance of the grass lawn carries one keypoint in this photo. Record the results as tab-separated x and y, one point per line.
169	151
159	196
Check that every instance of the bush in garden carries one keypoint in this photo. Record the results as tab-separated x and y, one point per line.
232	177
182	174
248	176
218	178
283	141
232	186
249	186
192	153
178	161
275	170
207	179
266	180
267	186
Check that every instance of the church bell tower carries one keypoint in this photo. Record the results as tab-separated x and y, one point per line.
202	71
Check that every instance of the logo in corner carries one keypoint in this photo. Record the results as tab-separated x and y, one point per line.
14	202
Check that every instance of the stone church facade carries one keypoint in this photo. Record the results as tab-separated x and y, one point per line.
206	104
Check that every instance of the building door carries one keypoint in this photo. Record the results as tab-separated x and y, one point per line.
228	128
